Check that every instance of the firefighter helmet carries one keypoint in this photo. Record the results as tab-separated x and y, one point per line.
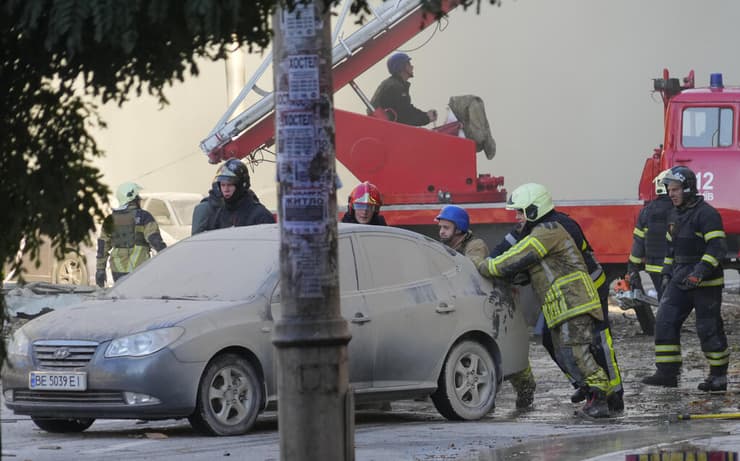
684	176
396	63
457	216
532	199
365	194
127	192
659	186
234	172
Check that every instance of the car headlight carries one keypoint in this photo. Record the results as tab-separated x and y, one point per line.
18	344
145	343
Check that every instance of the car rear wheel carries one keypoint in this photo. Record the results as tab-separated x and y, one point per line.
63	425
71	271
467	384
230	396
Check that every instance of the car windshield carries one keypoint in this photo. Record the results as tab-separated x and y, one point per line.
184	210
224	270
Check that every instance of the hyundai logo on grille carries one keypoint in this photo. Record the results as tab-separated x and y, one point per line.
61	353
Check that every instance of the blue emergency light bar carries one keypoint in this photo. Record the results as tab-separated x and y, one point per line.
715	81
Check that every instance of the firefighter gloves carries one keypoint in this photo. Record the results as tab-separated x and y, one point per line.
664	281
691	282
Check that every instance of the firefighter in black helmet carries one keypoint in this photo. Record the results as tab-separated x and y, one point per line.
241	206
692	278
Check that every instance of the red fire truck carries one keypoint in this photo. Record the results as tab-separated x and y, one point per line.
419	170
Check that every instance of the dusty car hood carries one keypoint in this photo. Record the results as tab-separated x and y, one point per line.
102	320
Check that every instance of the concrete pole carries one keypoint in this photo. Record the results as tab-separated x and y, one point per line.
315	413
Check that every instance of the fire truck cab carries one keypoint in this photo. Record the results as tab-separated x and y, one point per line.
702	132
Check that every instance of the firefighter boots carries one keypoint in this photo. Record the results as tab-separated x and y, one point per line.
524	384
597	406
579	395
714	383
661	378
616	402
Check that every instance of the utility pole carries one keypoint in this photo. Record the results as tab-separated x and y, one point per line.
315	408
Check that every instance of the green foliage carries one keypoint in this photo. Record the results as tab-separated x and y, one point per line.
55	56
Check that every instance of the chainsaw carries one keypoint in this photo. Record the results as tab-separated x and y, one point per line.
629	298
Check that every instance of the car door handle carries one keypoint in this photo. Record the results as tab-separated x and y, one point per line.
683	160
360	318
445	308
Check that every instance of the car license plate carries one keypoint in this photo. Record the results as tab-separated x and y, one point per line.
57	381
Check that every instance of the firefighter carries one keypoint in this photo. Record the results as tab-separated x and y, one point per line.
602	338
241	206
393	94
363	206
454	231
692	278
127	236
648	238
207	207
560	278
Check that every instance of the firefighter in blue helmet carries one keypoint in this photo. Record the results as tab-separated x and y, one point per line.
692	279
454	231
127	236
556	268
393	94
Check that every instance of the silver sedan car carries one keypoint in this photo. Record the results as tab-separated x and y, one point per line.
191	329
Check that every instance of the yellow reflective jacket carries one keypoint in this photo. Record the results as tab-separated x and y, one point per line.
557	271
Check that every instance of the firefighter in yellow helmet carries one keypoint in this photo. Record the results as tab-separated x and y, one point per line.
559	276
127	236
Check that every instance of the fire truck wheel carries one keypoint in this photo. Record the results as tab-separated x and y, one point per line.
467	384
230	396
646	317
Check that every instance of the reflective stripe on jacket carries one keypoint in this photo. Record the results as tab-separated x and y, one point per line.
557	270
648	237
696	238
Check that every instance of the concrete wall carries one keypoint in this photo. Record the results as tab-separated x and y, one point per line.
567	87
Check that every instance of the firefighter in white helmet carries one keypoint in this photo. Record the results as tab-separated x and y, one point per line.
559	276
127	236
648	238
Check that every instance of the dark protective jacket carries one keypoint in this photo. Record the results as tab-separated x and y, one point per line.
243	211
127	236
556	268
648	237
377	219
393	93
206	208
696	243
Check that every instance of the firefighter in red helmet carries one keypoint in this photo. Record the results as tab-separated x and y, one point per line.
364	206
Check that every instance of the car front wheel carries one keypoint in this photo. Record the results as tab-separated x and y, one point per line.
63	425
230	395
467	384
